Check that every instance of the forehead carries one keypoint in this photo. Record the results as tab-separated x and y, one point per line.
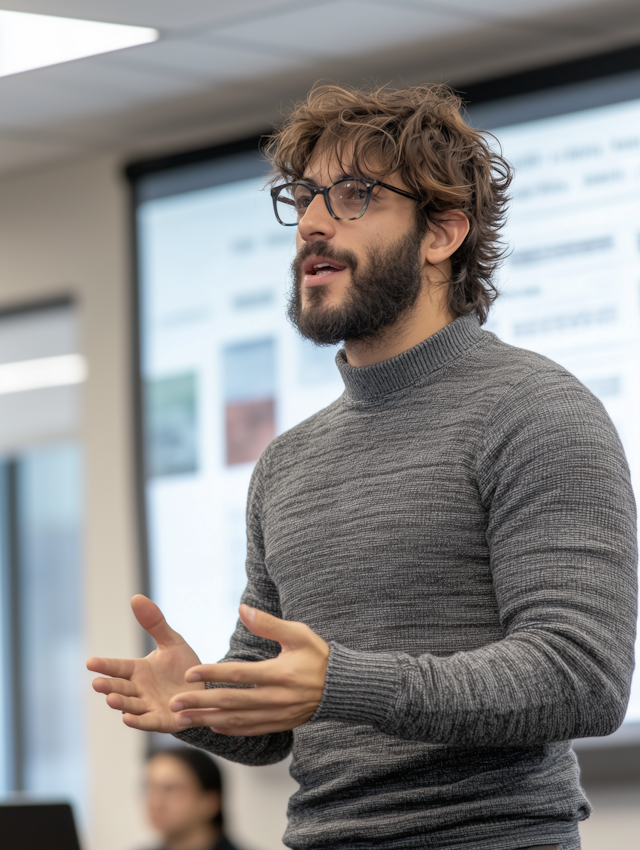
329	162
164	768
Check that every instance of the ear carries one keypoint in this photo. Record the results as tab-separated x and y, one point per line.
445	235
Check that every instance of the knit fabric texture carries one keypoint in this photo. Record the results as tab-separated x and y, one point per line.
460	527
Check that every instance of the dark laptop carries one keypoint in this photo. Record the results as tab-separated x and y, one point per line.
37	826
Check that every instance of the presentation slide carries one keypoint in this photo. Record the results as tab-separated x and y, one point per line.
224	372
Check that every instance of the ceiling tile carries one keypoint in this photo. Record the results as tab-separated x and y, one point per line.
343	28
164	14
582	18
620	17
72	90
209	61
224	67
508	11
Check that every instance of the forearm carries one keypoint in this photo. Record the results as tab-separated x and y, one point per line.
521	690
254	750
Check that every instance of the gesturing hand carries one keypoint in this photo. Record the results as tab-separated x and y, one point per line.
286	690
142	688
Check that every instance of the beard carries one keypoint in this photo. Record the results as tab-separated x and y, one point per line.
382	290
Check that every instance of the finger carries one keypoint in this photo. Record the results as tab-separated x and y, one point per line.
148	723
284	632
130	705
236	672
232	698
239	723
152	621
119	667
250	731
228	720
115	686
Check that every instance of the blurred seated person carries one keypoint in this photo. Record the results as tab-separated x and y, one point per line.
184	800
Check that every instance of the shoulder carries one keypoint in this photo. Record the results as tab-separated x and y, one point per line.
521	382
539	410
509	366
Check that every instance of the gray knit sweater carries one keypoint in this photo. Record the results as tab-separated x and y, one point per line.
460	527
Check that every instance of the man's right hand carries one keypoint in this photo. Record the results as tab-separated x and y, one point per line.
142	688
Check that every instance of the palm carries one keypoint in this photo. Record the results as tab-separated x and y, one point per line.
142	688
159	677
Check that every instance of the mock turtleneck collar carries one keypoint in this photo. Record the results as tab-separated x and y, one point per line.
368	383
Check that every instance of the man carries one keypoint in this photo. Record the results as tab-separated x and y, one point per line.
442	564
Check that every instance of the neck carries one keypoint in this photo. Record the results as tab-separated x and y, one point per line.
428	316
200	837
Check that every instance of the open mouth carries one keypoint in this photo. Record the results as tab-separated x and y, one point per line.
325	268
319	266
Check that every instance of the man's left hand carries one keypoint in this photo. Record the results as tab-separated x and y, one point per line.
286	690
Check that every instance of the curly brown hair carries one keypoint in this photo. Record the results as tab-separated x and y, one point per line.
419	134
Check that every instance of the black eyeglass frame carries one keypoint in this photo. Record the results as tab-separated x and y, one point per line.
324	191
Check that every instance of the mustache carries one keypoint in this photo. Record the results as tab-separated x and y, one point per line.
323	249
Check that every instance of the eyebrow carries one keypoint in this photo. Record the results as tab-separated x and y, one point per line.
342	176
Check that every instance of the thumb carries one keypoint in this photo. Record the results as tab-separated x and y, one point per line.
285	632
152	621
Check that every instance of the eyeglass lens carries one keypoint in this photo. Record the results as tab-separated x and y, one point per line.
347	198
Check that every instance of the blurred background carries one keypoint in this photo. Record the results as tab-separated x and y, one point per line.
145	360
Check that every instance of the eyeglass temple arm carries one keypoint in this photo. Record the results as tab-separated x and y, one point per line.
395	189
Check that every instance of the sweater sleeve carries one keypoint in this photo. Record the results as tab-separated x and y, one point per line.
261	593
561	531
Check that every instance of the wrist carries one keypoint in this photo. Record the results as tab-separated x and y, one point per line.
360	687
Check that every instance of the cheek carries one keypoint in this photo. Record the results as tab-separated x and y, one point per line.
159	815
172	812
383	231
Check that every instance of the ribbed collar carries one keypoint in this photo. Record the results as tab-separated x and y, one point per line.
370	383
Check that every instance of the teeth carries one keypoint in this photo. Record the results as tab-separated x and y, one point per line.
322	266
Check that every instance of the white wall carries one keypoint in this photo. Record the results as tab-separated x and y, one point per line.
66	231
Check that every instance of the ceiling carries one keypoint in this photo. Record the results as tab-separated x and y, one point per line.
226	69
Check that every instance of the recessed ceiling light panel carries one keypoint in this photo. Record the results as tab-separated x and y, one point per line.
29	41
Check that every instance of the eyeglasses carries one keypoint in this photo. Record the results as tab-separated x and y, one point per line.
346	199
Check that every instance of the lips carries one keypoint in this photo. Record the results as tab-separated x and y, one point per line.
317	266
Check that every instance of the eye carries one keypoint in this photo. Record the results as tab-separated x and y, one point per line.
354	192
302	198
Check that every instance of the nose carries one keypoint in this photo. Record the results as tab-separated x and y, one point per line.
317	222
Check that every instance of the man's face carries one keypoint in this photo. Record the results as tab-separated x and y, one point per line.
376	270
